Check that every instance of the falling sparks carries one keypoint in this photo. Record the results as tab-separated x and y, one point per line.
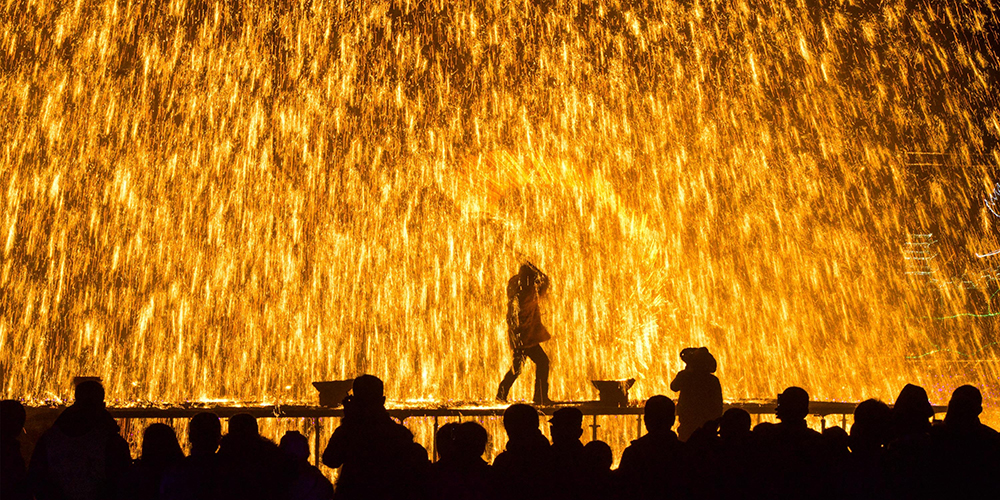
228	200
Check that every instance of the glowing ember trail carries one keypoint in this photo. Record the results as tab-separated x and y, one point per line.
229	200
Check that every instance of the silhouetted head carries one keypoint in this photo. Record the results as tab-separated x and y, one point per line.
204	432
912	411
294	445
445	440
160	446
965	406
597	454
658	414
793	405
12	418
699	359
835	439
520	421
471	439
734	424
368	391
243	425
871	425
527	274
567	425
89	393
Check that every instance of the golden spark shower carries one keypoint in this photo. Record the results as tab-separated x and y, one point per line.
226	200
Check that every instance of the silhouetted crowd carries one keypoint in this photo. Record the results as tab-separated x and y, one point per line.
896	452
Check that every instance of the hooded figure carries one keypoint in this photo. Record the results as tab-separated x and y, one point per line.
525	331
700	397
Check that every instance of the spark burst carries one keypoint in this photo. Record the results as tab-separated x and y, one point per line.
232	199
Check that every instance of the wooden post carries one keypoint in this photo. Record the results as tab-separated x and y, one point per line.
316	440
434	441
594	426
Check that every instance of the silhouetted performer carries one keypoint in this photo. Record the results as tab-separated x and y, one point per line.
700	398
307	482
196	477
13	473
377	456
461	473
160	452
250	466
525	331
81	456
793	453
968	451
910	454
523	469
567	452
654	466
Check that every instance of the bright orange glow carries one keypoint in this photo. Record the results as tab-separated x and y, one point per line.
206	201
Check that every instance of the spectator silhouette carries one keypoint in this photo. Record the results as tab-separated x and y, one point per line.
866	467
912	413
377	456
13	472
837	457
734	426
910	455
196	476
462	474
794	452
733	467
598	480
523	468
81	456
700	398
160	452
567	453
969	452
250	466
444	441
654	466
306	482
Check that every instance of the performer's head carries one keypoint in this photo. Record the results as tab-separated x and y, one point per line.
527	273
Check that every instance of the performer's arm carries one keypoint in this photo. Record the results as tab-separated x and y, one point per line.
543	282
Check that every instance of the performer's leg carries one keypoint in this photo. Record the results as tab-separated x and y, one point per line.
537	354
508	380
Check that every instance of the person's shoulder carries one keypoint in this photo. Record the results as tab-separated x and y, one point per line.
502	459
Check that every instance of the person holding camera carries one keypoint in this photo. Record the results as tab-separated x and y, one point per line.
377	456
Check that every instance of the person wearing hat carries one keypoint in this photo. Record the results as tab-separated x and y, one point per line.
700	398
525	331
794	452
567	452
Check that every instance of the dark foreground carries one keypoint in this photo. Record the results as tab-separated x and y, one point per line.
896	452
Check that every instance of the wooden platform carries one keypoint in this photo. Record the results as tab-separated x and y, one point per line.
403	411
